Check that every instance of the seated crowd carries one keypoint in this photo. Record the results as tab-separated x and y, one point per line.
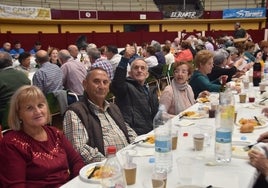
92	123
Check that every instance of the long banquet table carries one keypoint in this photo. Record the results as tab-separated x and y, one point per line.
237	174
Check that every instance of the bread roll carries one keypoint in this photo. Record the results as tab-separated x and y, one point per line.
247	128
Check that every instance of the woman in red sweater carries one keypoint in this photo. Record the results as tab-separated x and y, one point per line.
33	154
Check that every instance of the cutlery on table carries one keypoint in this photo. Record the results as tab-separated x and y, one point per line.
181	116
257	120
140	141
211	186
92	173
262	101
248	147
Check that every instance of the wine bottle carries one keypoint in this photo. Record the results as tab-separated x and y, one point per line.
223	83
82	58
256	73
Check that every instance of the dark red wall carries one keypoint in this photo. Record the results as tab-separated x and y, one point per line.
106	15
120	39
62	40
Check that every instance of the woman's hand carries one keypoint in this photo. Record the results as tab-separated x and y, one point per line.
223	78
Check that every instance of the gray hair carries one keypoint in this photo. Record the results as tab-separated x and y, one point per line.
156	45
64	55
220	56
94	53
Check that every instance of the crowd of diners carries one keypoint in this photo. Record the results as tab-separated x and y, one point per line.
34	153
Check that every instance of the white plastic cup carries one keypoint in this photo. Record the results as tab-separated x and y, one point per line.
185	170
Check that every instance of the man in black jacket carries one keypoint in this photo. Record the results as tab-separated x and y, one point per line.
137	102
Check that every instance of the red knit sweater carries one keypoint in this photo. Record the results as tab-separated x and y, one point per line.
25	162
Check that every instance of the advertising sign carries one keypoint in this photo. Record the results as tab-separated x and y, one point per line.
24	12
244	13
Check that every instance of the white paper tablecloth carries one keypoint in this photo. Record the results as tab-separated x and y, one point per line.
237	174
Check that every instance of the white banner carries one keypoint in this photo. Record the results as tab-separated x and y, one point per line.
24	12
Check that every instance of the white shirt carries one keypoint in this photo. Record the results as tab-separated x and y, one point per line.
151	61
169	58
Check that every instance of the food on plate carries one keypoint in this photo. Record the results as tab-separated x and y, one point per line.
150	139
247	128
239	151
203	99
94	172
253	122
191	114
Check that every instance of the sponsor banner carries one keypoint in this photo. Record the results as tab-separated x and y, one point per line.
88	14
24	12
244	13
184	14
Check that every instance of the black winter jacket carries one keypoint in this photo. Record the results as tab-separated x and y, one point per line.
137	107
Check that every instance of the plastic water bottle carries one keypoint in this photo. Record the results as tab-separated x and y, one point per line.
163	143
265	72
224	124
112	174
223	145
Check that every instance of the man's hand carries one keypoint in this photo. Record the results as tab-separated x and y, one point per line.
263	137
129	51
259	161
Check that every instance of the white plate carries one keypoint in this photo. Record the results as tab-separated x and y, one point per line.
238	151
262	119
184	123
144	144
83	172
197	115
256	103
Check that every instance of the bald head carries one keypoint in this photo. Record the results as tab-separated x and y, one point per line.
41	56
7	46
73	50
5	60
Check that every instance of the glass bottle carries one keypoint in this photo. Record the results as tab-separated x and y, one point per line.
82	58
256	73
223	83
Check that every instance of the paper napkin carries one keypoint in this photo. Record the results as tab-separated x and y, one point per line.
184	123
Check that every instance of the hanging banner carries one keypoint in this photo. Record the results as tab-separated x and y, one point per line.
190	14
24	12
244	13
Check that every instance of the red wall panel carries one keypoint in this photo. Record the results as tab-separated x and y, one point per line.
105	15
62	40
